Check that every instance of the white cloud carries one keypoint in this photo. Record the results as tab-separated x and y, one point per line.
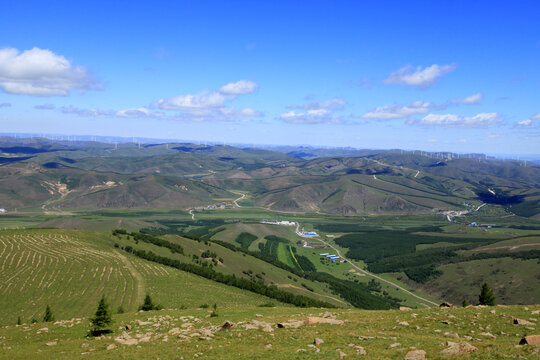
241	87
246	112
201	100
45	107
469	100
87	112
5	105
328	104
40	72
421	77
141	112
316	116
529	123
453	120
397	111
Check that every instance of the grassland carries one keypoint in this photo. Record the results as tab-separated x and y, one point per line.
381	334
70	270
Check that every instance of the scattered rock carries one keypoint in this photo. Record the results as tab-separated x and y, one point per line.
318	341
535	312
394	345
415	355
175	332
467	337
227	325
359	350
258	315
268	346
530	340
51	343
489	335
43	330
143	323
404	323
322	320
461	348
446	305
451	335
404	308
522	322
290	324
127	327
446	322
342	354
366	337
111	347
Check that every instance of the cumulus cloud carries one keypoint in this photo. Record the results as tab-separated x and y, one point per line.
45	107
5	105
241	87
210	105
453	120
327	104
529	123
202	100
316	116
469	100
397	111
421	77
40	72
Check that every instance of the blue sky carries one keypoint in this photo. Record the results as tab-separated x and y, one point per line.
439	76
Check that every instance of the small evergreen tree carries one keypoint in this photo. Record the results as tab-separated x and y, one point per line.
48	314
486	296
19	322
101	319
465	303
148	305
120	310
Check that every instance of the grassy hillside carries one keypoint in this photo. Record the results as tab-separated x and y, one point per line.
70	270
191	333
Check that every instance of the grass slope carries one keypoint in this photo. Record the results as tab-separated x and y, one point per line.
70	270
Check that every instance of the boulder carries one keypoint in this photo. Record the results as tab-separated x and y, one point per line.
226	325
460	348
530	340
318	341
446	305
321	320
415	355
404	308
111	347
51	343
522	322
290	324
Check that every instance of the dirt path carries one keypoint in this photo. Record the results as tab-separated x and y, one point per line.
240	198
136	275
192	214
380	278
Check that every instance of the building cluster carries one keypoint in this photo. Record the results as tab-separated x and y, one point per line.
218	206
332	257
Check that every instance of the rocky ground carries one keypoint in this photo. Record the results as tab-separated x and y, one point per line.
289	333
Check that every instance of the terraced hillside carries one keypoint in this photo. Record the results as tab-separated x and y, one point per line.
70	270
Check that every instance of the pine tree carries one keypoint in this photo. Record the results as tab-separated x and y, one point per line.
101	319
465	303
486	296
149	305
48	314
19	321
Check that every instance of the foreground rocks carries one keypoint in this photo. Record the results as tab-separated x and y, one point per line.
459	348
